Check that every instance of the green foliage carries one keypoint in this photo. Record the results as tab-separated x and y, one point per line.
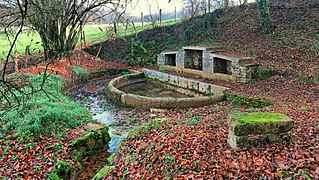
138	55
303	108
45	112
247	101
162	69
265	19
264	74
61	171
308	78
104	172
259	117
165	38
81	73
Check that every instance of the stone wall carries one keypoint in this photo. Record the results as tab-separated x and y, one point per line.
209	89
193	59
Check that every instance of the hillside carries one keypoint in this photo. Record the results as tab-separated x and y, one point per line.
291	48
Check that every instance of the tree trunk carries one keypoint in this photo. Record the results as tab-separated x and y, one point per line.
264	14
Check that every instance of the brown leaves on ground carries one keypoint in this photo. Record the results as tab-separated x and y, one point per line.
193	144
63	66
34	160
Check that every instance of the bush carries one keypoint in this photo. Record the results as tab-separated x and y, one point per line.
45	112
81	73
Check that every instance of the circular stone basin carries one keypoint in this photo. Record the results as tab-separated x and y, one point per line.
119	90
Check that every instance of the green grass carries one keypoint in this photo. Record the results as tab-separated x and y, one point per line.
93	33
259	117
46	112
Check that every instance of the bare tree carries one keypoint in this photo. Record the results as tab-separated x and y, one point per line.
194	7
59	24
152	17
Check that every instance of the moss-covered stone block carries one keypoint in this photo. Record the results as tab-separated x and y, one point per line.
97	137
243	124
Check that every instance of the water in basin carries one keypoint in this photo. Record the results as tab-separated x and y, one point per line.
152	89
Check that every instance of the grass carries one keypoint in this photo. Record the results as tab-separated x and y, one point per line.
93	33
259	117
44	112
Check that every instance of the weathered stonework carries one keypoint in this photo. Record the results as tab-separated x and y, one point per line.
167	58
238	131
96	138
204	93
206	62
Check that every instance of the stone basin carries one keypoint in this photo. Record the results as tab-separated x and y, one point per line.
201	93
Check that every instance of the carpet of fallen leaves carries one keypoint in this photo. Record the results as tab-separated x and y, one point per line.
33	160
193	144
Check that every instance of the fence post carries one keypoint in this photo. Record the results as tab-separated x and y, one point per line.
175	15
142	20
1	65
16	63
115	30
84	40
160	14
136	35
27	53
126	26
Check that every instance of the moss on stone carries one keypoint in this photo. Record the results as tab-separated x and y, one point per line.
79	155
62	170
95	139
257	117
105	171
81	141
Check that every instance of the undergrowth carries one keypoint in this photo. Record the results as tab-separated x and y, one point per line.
45	112
247	101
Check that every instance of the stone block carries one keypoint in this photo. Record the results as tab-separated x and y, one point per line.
182	82
192	84
243	124
205	88
173	80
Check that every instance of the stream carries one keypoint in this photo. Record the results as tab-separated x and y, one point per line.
91	95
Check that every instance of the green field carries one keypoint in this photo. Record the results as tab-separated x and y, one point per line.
93	33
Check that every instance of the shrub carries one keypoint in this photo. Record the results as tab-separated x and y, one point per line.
81	73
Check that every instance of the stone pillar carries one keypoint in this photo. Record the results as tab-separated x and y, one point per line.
208	62
161	59
180	59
